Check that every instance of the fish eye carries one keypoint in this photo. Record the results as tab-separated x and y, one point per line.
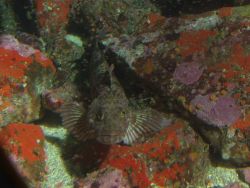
123	113
99	115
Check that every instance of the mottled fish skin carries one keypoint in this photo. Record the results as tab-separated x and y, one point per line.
108	114
99	72
109	118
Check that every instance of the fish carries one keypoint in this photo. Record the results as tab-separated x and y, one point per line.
109	118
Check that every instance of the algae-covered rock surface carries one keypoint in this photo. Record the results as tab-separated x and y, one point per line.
24	145
25	73
202	72
188	61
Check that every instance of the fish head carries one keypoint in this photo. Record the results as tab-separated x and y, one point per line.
107	115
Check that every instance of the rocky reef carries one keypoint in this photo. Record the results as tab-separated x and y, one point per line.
25	74
190	59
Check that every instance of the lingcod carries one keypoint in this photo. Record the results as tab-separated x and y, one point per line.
109	118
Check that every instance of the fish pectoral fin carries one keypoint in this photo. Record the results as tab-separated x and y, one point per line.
144	123
73	119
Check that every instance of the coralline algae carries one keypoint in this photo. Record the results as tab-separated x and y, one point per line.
11	43
188	73
220	112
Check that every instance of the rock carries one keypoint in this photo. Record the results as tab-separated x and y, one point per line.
52	99
245	175
233	185
23	144
105	178
223	177
181	7
57	175
24	74
166	160
112	17
53	18
172	157
197	66
199	70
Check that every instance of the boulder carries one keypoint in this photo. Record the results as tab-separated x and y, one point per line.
199	67
23	145
25	73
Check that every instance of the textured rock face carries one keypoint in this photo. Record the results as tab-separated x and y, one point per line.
197	66
53	18
222	112
52	99
172	157
113	17
105	178
24	74
23	144
200	67
179	7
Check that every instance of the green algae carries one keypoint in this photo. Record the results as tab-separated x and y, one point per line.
74	39
7	17
207	23
57	173
219	176
243	11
